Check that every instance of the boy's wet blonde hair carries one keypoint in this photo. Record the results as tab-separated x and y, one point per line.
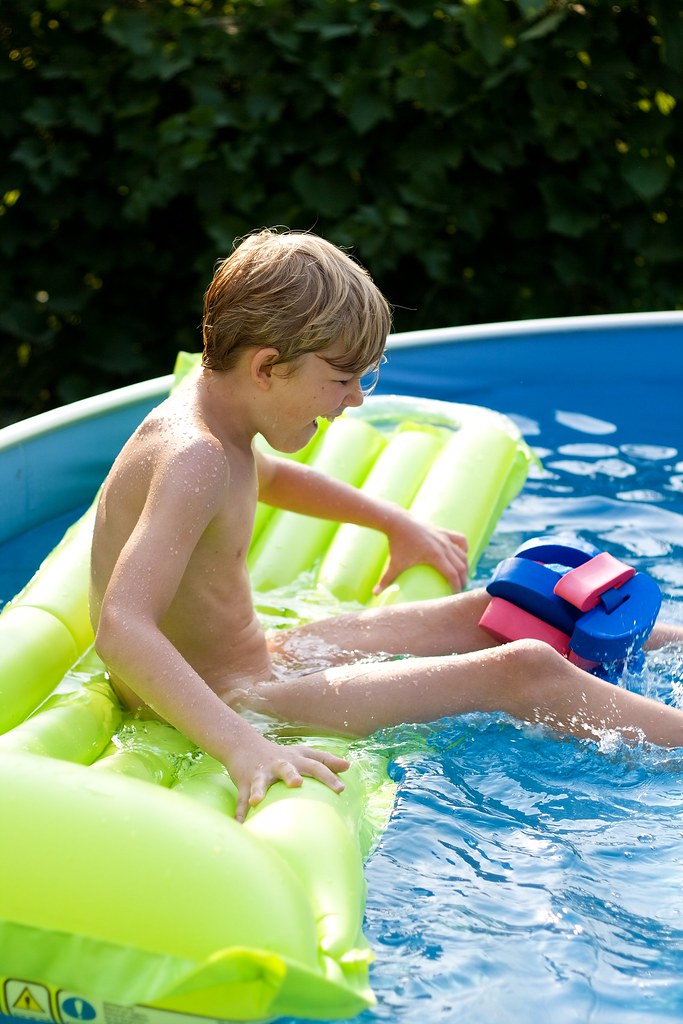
295	292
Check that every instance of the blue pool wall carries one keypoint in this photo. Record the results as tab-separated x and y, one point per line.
601	366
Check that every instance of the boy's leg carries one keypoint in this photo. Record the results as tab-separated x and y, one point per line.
447	625
526	679
664	633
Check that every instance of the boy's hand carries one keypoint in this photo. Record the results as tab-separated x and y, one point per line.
256	766
412	542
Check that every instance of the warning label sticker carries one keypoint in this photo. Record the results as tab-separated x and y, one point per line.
28	999
74	1008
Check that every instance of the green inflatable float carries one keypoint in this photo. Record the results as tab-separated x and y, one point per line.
130	895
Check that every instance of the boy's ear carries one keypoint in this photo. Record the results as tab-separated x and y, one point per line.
261	366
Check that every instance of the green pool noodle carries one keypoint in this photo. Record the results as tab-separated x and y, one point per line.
291	543
337	889
46	627
207	781
356	556
36	649
147	749
61	589
478	471
74	726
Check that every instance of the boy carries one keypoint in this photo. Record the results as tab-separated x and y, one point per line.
291	325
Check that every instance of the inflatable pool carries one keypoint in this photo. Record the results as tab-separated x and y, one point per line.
133	896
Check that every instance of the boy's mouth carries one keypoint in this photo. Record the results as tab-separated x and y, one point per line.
330	417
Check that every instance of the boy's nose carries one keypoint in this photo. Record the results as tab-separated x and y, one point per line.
355	396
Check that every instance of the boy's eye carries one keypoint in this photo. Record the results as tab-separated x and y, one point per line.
368	380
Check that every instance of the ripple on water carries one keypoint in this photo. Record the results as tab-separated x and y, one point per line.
524	875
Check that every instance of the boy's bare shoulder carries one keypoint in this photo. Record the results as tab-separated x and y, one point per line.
181	452
175	426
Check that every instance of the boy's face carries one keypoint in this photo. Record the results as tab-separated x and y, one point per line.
308	390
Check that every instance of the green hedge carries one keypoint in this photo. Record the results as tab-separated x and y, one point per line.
488	160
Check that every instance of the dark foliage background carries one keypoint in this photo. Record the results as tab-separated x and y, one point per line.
487	160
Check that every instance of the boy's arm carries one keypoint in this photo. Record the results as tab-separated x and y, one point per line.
132	645
298	488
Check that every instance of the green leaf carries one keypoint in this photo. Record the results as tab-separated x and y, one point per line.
544	27
569	213
45	112
328	193
647	176
487	29
365	110
428	77
531	8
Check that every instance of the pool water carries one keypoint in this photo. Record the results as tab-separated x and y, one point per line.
524	875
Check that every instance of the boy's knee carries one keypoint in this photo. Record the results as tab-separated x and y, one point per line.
532	670
535	663
535	655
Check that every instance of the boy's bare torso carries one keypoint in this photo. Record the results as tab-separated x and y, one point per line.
210	619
